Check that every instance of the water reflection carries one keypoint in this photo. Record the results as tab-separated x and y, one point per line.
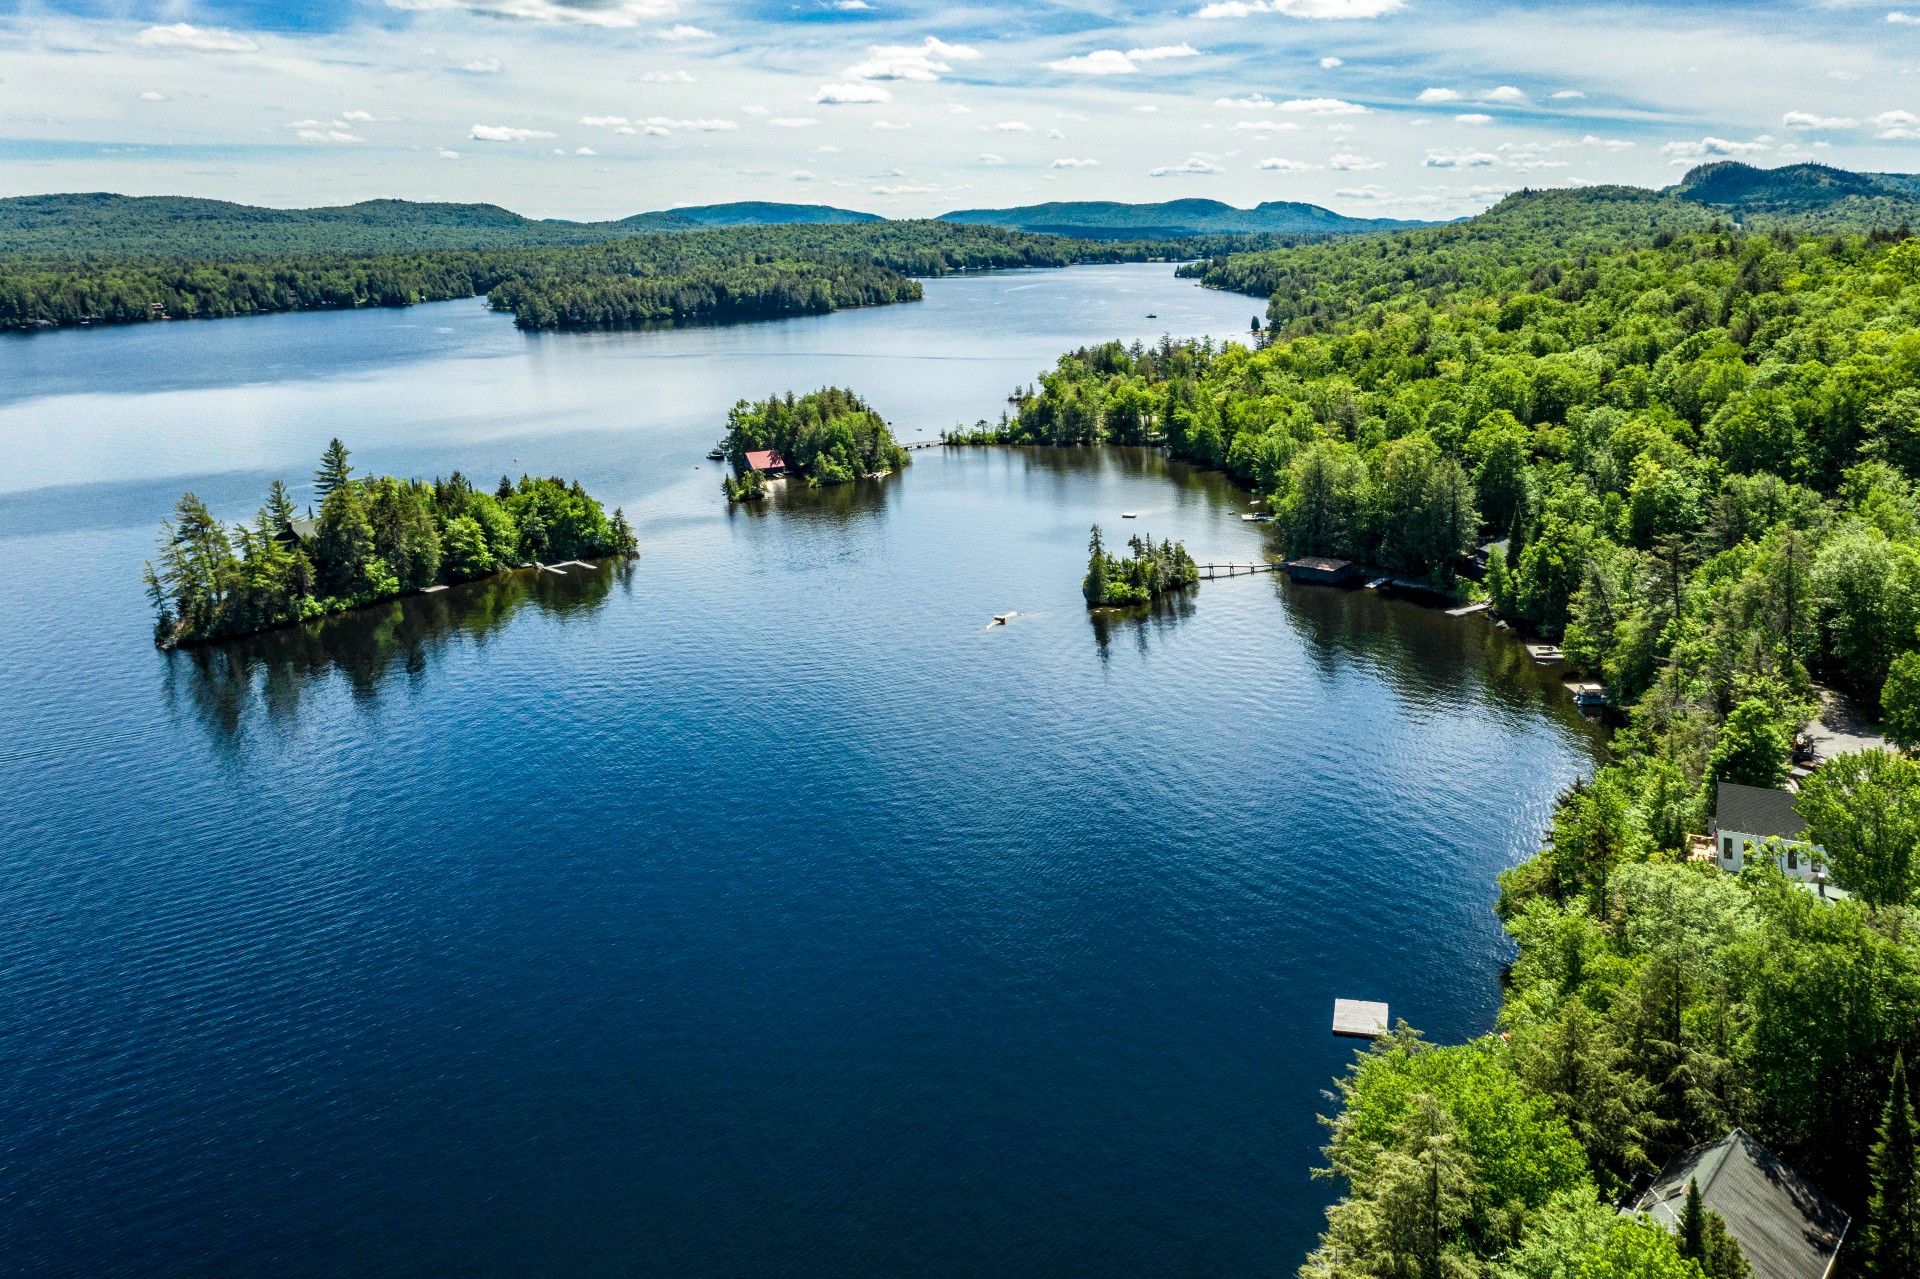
223	685
1142	623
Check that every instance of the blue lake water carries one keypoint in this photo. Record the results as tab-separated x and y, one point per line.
749	908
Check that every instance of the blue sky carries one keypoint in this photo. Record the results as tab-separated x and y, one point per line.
602	108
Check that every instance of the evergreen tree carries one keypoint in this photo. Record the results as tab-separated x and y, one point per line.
280	508
333	471
1893	1214
1693	1223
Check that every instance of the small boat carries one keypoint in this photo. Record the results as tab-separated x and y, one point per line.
717	454
1001	619
1152	316
1590	695
1129	515
1249	518
1377	583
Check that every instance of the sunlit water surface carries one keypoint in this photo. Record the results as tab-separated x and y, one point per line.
750	908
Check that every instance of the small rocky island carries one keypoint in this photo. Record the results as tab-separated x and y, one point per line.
829	436
373	538
1149	572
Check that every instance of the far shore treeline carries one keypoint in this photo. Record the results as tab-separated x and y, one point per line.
679	278
829	436
371	538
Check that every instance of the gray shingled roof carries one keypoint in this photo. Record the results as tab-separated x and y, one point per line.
1755	810
1788	1229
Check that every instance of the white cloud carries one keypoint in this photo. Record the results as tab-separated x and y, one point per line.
851	6
1287	166
181	35
1897	125
603	121
585	151
1252	102
151	96
591	13
666	77
1329	63
894	125
682	31
1505	93
359	117
904	190
445	154
849	94
1459	160
1364	193
800	175
1566	95
1321	106
482	66
1604	144
1335	10
1054	135
504	133
1473	117
1903	19
1438	95
693	126
1808	120
756	109
1147	108
988	157
1191	165
795	122
316	131
926	61
1710	146
1269	126
1347	162
1069	163
1099	62
955	108
1012	126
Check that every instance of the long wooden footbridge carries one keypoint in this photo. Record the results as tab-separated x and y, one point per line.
1210	571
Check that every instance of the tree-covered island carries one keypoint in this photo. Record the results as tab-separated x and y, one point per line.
1151	571
372	537
829	436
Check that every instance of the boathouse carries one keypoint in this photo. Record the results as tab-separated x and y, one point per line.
1315	568
1786	1227
766	461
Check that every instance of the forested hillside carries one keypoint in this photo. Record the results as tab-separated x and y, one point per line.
692	276
1172	219
1701	445
172	226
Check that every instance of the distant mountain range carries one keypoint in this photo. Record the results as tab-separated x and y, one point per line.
1111	220
167	225
181	226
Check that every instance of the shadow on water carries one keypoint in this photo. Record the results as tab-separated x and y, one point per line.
224	684
1428	658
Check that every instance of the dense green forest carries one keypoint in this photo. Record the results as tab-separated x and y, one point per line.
373	538
829	436
1699	444
1149	572
1172	219
692	276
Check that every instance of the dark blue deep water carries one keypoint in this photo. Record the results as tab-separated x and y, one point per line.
751	908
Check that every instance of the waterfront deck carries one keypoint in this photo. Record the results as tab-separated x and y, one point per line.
1359	1019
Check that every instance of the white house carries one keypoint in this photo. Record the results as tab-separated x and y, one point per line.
1746	817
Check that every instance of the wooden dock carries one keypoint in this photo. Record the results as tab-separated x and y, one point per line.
1359	1019
1210	571
1467	609
924	444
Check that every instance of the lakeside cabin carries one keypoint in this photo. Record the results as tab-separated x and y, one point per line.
1746	818
767	461
1320	570
1785	1226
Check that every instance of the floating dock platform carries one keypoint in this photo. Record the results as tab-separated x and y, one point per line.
1359	1019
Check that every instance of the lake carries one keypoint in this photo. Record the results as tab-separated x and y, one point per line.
750	907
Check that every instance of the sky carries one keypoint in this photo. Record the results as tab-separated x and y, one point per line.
596	109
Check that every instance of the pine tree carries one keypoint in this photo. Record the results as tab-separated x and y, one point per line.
1693	1223
280	509
333	471
1893	1214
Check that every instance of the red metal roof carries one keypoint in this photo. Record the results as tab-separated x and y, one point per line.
766	460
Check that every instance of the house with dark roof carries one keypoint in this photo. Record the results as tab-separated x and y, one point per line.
1787	1228
1318	568
1746	817
298	532
766	461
